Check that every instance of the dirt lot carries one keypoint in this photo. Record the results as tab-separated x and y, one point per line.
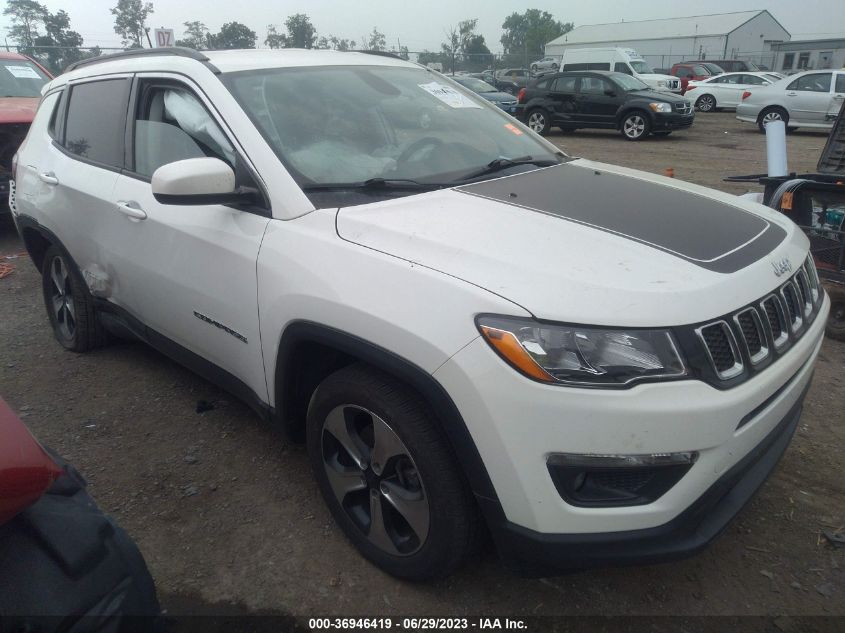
225	511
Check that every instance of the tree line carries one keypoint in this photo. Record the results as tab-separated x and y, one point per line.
48	36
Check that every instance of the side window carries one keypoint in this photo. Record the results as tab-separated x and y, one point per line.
622	67
542	85
754	80
575	67
598	66
54	128
565	84
683	73
96	118
171	124
816	82
593	85
840	83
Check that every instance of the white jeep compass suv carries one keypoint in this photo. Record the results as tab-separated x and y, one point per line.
470	329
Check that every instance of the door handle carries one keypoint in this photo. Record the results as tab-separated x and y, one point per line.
791	94
132	210
48	177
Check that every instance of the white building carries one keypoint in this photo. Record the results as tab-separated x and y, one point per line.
799	55
747	35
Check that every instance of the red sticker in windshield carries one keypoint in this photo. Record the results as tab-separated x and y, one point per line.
513	129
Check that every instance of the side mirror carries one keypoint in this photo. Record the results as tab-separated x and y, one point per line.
196	181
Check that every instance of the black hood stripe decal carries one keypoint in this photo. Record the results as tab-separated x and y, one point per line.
711	234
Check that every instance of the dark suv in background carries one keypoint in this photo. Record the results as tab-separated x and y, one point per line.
605	100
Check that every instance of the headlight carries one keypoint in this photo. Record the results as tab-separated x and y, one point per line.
583	356
662	84
660	107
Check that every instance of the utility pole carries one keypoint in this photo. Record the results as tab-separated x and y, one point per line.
147	33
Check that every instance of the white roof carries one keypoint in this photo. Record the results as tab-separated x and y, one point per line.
693	26
233	60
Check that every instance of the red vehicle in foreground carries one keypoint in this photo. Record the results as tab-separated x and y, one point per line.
21	79
64	565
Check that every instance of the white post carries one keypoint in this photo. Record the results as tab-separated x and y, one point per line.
776	148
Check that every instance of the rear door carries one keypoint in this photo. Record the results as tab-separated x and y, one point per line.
73	177
595	105
808	98
561	96
188	272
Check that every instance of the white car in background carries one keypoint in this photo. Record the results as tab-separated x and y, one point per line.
545	65
725	90
809	99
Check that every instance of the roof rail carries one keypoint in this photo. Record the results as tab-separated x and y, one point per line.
178	51
381	54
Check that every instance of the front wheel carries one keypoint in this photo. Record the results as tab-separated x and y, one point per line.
538	120
635	126
706	103
388	475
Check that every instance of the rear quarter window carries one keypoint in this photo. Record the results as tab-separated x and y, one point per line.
96	121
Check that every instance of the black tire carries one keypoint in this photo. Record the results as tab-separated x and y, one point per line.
69	304
774	113
534	69
554	68
706	103
355	399
835	328
539	120
635	125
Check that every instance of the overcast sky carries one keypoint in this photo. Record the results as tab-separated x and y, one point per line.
420	24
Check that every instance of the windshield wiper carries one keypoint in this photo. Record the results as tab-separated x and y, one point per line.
500	164
375	184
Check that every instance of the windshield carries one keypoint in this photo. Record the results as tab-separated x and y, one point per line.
476	85
628	83
641	68
350	124
21	78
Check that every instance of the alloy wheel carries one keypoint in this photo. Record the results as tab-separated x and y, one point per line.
537	122
375	480
634	126
774	115
61	296
706	103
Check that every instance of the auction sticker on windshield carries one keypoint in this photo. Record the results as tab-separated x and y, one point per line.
23	72
448	95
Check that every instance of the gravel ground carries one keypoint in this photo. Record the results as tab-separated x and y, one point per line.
226	511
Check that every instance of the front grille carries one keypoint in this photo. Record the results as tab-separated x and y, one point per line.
629	480
771	323
683	108
719	341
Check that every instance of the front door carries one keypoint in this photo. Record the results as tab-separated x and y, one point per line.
597	101
187	272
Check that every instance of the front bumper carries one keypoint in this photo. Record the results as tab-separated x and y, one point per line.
672	121
517	424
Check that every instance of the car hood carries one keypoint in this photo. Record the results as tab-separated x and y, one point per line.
658	95
497	97
18	109
586	242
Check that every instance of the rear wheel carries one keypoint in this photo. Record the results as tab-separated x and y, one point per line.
836	320
538	120
388	476
635	126
772	114
706	103
69	304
